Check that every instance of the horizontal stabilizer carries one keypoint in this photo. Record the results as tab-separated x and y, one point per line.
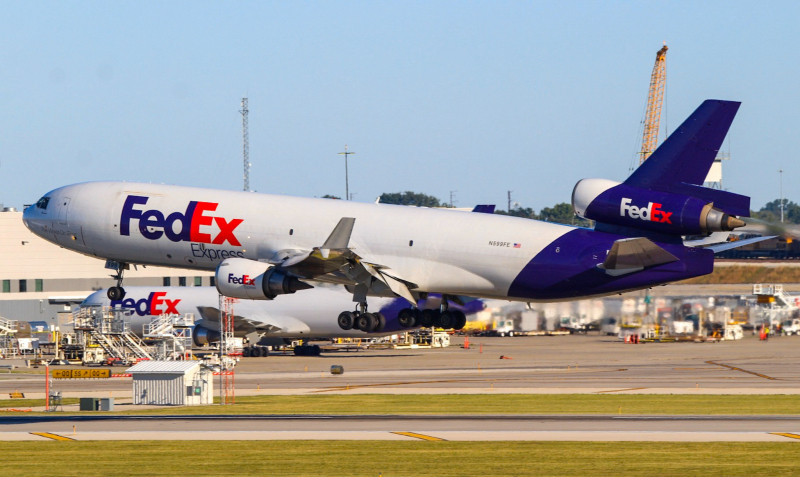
688	153
723	246
634	254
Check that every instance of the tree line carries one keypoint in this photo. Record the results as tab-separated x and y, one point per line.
563	214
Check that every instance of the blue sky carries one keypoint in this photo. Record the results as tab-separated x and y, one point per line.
476	97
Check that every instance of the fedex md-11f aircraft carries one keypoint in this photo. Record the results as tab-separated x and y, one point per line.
262	246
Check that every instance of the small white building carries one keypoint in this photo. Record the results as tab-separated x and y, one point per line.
172	383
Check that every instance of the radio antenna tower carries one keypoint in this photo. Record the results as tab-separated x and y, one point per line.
246	146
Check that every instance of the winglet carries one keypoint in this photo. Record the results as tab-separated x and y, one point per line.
339	239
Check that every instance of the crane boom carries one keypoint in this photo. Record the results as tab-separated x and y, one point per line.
655	100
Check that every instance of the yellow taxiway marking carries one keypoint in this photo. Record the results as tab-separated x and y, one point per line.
618	390
49	435
743	370
786	434
419	436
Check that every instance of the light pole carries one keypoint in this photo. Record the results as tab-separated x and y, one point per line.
781	172
346	179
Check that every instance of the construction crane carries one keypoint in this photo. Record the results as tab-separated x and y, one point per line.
655	99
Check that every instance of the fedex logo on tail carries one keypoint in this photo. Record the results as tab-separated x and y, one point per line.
243	280
652	212
155	304
189	222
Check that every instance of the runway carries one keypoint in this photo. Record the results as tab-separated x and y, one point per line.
428	428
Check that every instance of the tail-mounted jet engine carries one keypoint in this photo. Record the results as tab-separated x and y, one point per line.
623	205
243	278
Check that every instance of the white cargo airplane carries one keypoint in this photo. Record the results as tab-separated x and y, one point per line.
262	246
273	322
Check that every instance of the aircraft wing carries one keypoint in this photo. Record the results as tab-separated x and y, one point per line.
240	323
335	261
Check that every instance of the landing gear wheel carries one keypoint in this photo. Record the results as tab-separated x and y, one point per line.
115	293
380	321
247	352
299	350
461	319
428	318
315	350
407	318
346	320
447	320
366	322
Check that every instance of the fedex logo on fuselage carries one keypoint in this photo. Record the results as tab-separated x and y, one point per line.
155	304
190	222
243	280
652	212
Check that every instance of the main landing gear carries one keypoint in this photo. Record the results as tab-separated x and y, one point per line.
361	319
441	318
117	293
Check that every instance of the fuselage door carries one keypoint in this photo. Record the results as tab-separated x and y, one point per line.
63	210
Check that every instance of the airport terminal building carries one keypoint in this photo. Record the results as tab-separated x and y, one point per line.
40	279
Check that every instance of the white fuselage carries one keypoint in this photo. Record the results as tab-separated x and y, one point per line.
437	250
295	317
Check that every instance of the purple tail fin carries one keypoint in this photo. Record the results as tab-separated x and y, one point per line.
680	165
484	209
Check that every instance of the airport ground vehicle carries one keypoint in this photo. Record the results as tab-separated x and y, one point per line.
791	327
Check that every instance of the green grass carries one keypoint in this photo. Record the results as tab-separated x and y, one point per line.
373	458
27	403
674	404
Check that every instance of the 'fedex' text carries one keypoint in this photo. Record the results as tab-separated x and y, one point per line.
190	223
155	304
652	212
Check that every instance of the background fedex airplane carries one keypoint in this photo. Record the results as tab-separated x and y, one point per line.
273	322
262	246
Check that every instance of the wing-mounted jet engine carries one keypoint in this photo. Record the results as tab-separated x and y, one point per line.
253	280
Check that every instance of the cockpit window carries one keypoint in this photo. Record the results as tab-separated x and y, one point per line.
42	203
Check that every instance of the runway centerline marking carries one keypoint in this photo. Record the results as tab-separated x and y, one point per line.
419	436
786	434
743	370
50	435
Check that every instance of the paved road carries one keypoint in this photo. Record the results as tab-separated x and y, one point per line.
464	428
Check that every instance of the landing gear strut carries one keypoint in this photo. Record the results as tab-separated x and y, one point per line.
117	293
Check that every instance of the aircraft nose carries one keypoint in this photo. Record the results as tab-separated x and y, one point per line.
35	216
27	217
